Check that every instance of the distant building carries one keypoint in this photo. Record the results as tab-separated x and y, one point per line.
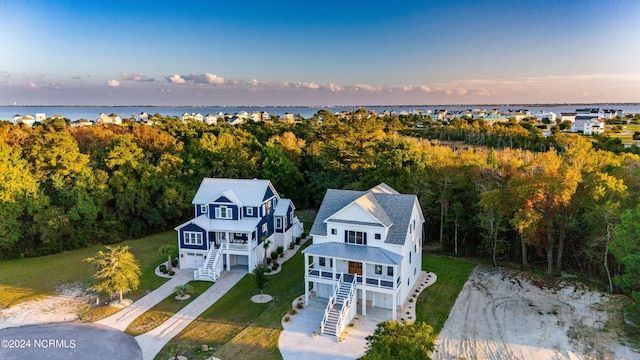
568	116
587	124
211	119
109	119
540	116
81	123
40	117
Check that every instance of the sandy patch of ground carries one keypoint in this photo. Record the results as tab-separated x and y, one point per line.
504	316
70	301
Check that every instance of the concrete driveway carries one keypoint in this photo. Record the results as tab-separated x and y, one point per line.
67	341
298	342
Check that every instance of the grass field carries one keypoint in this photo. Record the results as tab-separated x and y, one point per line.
164	310
32	278
435	302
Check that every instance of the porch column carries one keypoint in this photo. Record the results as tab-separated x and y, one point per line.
306	283
363	299
333	268
393	306
228	256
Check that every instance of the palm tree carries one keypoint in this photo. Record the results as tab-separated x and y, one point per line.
168	251
265	245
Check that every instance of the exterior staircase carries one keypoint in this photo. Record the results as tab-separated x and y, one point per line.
335	317
212	267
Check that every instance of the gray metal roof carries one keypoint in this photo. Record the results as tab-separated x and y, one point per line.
248	191
353	252
390	207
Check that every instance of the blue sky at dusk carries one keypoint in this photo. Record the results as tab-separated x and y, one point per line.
318	53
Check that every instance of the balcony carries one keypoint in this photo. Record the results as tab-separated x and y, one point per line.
376	282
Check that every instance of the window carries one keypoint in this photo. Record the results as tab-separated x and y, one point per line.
223	212
414	271
192	238
322	261
278	223
390	271
410	257
265	228
330	262
334	231
378	236
355	237
203	209
264	210
249	211
378	269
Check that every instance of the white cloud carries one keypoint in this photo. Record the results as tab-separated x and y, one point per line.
113	83
334	87
367	88
135	77
33	85
176	79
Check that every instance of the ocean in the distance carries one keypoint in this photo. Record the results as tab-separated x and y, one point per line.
92	112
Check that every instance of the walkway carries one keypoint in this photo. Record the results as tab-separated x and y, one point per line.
123	318
153	341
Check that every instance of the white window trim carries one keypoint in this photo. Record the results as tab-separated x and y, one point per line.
249	211
228	214
204	209
334	231
278	222
192	238
265	228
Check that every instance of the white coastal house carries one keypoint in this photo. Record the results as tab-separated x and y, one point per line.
587	125
109	119
367	250
232	219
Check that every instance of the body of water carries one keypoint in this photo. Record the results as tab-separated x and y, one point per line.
92	112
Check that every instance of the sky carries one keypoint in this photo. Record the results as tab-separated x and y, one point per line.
297	53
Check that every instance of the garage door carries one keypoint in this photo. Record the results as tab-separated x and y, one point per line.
384	300
194	260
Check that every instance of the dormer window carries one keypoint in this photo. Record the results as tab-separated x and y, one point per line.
249	211
223	212
203	209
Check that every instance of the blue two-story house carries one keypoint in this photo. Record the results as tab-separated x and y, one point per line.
232	219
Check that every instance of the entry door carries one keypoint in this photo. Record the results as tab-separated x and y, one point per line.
355	267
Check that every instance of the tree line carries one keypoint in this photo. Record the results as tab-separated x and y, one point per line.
501	192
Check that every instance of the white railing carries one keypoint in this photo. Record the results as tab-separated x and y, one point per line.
332	301
346	305
210	269
241	247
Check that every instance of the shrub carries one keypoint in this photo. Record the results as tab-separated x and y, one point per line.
165	271
304	235
182	290
298	240
267	270
293	311
299	306
274	255
171	273
275	266
292	245
163	268
280	250
287	318
268	260
174	261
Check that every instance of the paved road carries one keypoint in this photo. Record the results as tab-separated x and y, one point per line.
152	342
64	341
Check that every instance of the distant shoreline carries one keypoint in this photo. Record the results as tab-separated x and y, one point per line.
336	106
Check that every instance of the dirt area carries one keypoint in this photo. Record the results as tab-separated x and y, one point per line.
70	301
503	315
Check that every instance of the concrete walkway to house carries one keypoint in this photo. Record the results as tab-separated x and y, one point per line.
152	342
298	340
124	317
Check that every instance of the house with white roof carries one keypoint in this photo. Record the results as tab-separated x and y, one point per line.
367	250
232	219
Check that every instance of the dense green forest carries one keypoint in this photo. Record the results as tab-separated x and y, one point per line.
503	192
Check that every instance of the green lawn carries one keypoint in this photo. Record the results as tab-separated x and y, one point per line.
436	301
164	310
32	278
236	328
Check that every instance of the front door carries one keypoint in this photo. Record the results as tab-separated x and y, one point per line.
355	267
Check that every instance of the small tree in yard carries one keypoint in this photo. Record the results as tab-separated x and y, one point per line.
265	245
261	277
116	270
168	251
394	340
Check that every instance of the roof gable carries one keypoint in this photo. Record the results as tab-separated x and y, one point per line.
245	192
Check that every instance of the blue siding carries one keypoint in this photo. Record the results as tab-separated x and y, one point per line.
268	194
223	199
193	228
268	219
198	210
288	219
255	211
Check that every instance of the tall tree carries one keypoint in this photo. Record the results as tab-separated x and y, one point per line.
116	270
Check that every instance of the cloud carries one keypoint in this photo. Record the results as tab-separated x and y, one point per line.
367	88
135	77
113	83
202	79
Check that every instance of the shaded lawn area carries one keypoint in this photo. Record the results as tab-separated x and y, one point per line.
435	302
236	328
33	278
164	310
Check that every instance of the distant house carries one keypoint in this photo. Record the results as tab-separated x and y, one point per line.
495	117
232	219
587	124
41	117
568	116
81	123
540	116
211	119
109	119
366	252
